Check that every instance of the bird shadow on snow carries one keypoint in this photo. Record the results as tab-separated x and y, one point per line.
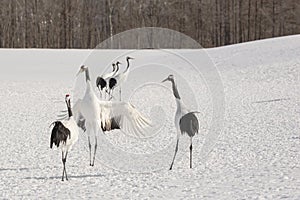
14	169
69	177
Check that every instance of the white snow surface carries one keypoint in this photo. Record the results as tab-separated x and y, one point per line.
256	156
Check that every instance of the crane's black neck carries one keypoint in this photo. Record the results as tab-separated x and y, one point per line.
116	70
69	108
127	64
175	91
117	67
87	75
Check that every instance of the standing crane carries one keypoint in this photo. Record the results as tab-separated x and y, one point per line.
119	79
185	121
101	81
65	135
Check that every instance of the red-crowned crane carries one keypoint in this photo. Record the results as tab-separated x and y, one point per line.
102	81
64	135
119	79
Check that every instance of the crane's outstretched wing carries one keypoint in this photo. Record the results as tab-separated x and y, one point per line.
114	115
125	116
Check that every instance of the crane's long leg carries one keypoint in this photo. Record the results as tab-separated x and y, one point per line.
110	94
120	93
100	95
64	159
176	149
106	92
95	150
90	148
191	149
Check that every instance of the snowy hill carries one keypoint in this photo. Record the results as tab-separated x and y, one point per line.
256	155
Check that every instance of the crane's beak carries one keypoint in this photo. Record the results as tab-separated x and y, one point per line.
165	80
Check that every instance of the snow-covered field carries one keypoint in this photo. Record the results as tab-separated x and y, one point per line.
257	154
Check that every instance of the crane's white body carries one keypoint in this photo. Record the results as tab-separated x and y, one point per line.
72	126
89	105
